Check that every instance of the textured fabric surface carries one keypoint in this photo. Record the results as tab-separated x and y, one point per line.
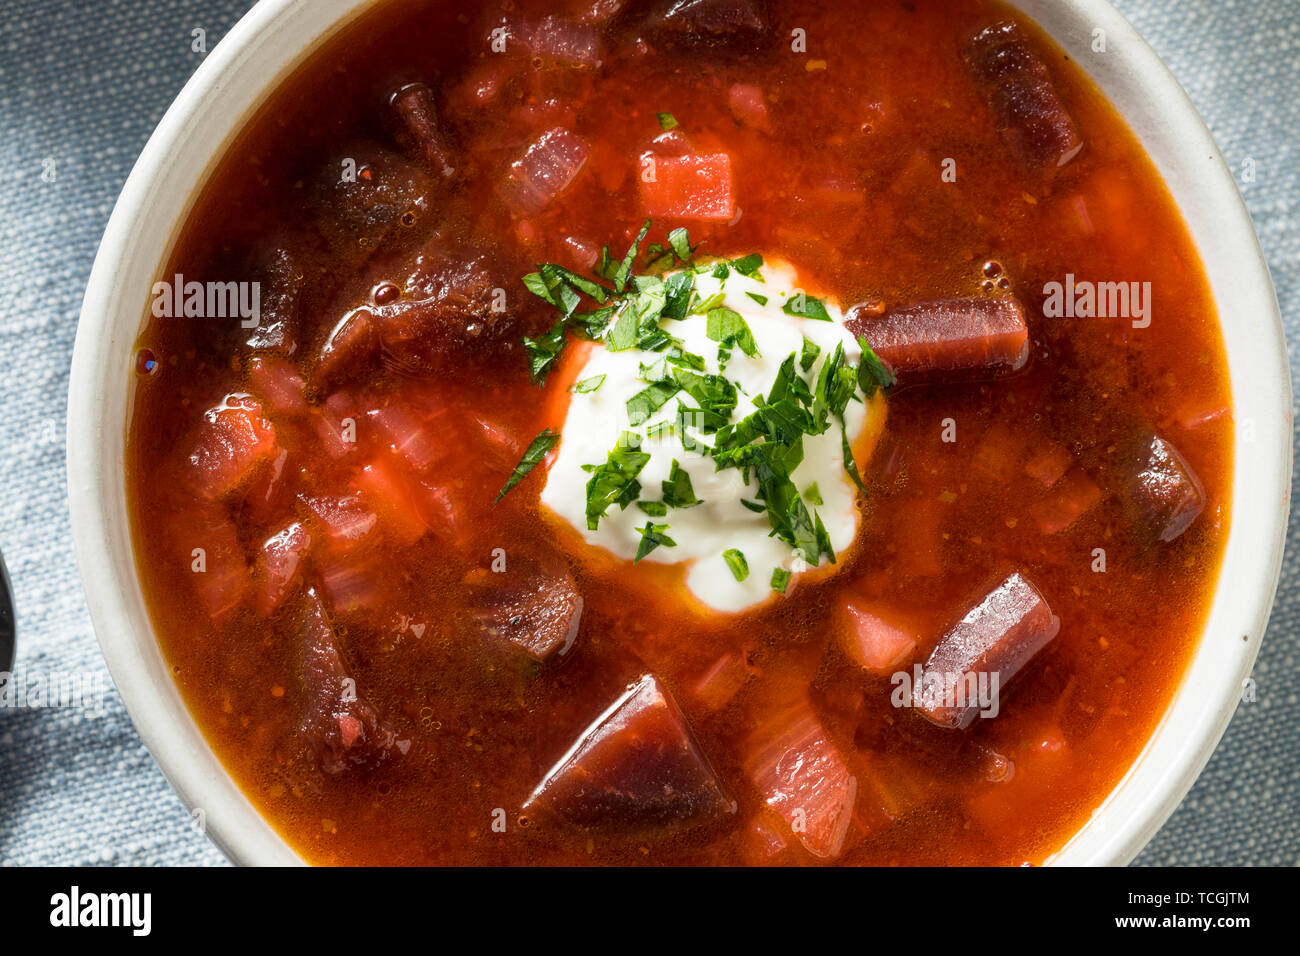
83	83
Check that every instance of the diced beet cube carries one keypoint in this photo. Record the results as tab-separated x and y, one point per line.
636	768
671	142
731	22
407	436
764	839
350	344
210	548
277	572
1049	465
722	681
449	314
533	604
599	11
446	517
394	499
996	637
270	494
688	187
545	171
234	439
359	196
1019	90
1072	497
871	637
562	41
342	728
277	327
357	583
345	520
749	106
278	384
414	103
1167	492
801	776
947	335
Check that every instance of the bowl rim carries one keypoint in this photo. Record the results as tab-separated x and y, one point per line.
275	36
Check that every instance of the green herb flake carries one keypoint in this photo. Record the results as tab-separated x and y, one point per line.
806	307
614	482
624	270
642	405
536	451
678	289
679	241
749	265
850	466
813	495
760	299
652	536
780	580
655	509
736	561
727	327
873	372
678	490
808	357
588	384
666	121
544	351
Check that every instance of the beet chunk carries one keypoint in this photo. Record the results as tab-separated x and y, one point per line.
360	196
234	440
636	768
342	728
996	637
947	335
731	22
445	315
533	604
802	777
277	326
1019	90
544	171
414	104
1167	492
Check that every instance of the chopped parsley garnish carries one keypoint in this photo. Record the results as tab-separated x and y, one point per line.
808	357
652	536
544	351
678	290
630	304
728	329
614	482
536	451
873	373
678	490
806	307
680	242
666	121
624	271
736	561
642	405
780	580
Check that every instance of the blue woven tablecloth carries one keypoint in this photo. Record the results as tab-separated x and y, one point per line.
82	84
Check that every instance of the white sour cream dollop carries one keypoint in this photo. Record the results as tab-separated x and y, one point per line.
596	419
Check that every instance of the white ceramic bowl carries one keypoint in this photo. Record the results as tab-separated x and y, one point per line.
275	37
